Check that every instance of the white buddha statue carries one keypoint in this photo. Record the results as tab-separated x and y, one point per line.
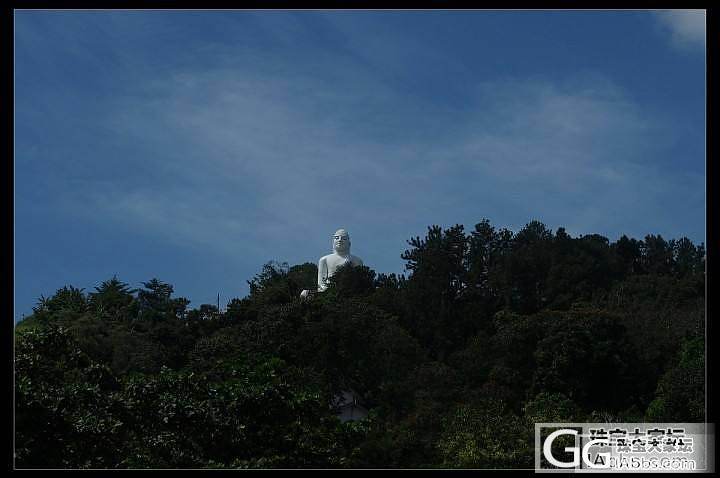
327	265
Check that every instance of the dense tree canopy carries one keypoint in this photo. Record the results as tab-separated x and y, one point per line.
490	332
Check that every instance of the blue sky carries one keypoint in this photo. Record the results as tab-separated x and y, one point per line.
194	146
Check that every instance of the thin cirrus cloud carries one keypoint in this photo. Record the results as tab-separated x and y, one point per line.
686	27
250	153
256	163
578	153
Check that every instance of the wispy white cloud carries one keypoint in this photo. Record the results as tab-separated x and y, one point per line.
543	131
250	157
580	153
686	27
249	160
256	159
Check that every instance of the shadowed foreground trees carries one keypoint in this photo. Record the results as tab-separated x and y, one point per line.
490	332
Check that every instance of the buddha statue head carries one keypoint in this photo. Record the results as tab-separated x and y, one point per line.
341	242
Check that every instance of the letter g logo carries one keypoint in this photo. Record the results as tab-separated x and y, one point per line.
547	449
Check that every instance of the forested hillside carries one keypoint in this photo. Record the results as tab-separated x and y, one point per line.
489	332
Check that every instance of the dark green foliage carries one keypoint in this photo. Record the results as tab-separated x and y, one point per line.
597	341
657	255
113	300
489	333
65	306
687	258
66	415
67	299
349	281
278	283
240	416
548	407
236	415
659	312
484	434
155	303
437	264
681	391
